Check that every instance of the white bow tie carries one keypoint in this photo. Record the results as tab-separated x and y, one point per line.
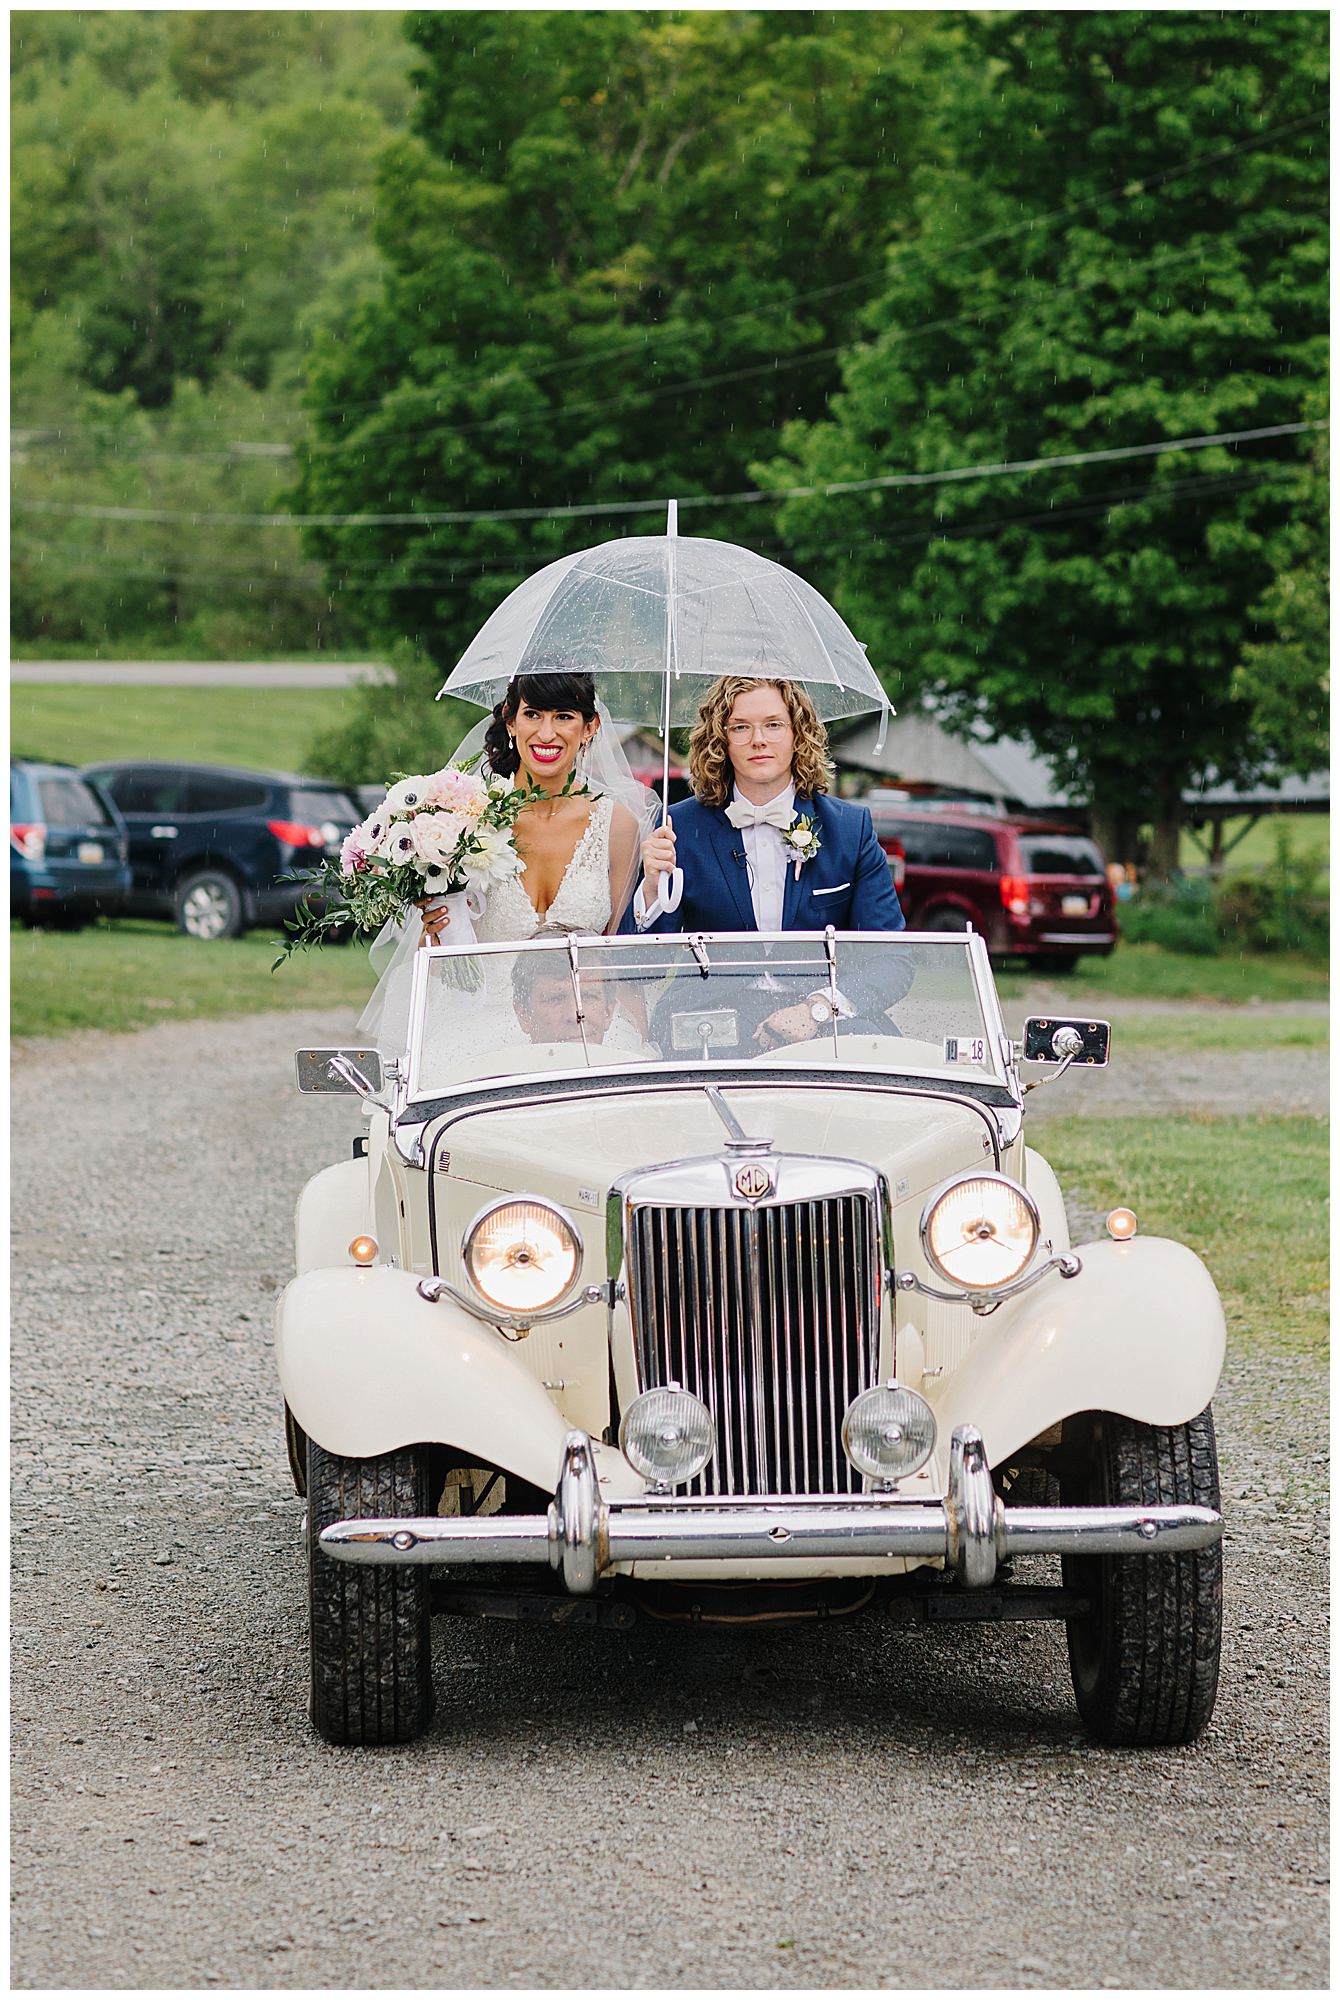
777	812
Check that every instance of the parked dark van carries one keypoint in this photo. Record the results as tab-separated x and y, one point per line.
1032	889
209	846
67	847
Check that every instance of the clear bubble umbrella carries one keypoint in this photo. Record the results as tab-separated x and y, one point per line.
656	618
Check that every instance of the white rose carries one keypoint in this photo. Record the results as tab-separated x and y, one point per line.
435	835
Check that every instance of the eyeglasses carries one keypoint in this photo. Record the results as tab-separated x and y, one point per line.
773	732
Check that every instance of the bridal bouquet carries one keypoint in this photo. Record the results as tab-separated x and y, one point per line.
434	836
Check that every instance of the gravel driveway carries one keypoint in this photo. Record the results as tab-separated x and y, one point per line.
856	1805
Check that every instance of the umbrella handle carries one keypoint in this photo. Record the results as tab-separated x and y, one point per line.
669	894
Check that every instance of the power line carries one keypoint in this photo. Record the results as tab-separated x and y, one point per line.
451	580
754	496
1128	190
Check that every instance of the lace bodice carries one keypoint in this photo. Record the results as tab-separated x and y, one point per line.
583	899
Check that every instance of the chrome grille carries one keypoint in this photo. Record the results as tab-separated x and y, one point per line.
771	1315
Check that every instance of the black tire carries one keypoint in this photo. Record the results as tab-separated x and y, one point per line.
1057	961
371	1633
295	1443
944	920
208	905
1144	1658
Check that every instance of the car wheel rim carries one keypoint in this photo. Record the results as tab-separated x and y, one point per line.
206	912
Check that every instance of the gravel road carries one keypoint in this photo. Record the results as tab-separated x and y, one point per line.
856	1805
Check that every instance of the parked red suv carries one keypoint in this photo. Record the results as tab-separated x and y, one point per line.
1033	889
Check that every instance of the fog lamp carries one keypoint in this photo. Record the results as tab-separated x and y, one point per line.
980	1231
1121	1225
363	1250
888	1432
521	1254
667	1435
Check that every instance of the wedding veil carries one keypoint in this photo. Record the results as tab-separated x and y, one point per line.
602	769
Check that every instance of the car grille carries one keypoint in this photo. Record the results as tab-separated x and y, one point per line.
771	1316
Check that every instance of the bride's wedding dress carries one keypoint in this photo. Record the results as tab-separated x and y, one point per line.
582	906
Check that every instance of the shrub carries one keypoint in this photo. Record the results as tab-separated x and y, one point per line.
1281	908
1177	914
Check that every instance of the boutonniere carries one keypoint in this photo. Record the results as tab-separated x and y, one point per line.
802	837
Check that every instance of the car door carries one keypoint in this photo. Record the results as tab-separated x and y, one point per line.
150	798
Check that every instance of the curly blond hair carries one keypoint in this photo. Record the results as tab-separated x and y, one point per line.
710	770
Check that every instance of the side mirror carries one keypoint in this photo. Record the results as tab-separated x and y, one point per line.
1047	1040
357	1072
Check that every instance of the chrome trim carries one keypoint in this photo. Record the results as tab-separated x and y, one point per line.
740	1300
583	1537
1069	1266
974	1510
937	1195
575	1524
1078	937
507	1201
435	1289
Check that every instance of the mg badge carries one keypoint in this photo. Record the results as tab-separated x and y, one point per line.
753	1180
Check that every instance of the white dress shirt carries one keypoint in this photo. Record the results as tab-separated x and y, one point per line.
766	857
766	860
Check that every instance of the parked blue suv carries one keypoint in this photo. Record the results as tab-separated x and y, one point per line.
67	847
210	846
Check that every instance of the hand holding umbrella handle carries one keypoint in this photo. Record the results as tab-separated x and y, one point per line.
669	893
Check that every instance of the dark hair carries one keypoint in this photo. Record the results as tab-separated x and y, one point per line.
553	689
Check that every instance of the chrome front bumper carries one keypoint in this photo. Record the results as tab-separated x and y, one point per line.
582	1535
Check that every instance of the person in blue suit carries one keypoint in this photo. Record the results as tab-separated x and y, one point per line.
763	844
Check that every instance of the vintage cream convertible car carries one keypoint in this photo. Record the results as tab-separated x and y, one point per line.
711	1277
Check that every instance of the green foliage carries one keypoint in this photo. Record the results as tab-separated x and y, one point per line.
594	244
1128	243
396	727
1278	908
1284	676
185	189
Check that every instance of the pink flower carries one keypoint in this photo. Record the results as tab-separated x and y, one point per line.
352	854
457	791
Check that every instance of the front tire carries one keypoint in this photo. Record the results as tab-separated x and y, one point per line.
208	905
371	1634
1144	1658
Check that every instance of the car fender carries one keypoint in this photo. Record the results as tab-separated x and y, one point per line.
1045	1189
1139	1332
332	1209
368	1365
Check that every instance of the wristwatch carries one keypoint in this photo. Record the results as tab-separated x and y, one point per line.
821	1011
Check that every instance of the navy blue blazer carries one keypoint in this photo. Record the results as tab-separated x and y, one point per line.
846	884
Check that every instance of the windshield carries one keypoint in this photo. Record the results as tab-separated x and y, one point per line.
885	1003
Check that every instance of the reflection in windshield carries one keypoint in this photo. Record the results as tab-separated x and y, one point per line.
880	1003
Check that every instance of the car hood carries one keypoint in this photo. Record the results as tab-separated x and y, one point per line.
573	1149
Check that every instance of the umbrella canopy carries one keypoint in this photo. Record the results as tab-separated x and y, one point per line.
658	615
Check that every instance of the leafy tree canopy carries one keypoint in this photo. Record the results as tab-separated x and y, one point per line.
620	248
1126	243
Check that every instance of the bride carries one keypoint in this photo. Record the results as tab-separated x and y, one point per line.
579	846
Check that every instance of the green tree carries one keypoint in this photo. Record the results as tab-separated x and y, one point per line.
1127	244
620	249
1285	676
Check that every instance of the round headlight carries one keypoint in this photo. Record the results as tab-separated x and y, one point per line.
980	1231
667	1436
521	1255
888	1432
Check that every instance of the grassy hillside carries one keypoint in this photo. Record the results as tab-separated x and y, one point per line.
271	728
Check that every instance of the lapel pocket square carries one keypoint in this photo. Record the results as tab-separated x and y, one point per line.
836	890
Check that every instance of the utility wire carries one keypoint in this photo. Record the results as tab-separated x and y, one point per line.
1024	295
753	496
1127	191
452	579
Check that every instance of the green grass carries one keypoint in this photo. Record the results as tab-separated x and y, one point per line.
268	728
1247	1194
1189	1029
122	975
1148	972
150	649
